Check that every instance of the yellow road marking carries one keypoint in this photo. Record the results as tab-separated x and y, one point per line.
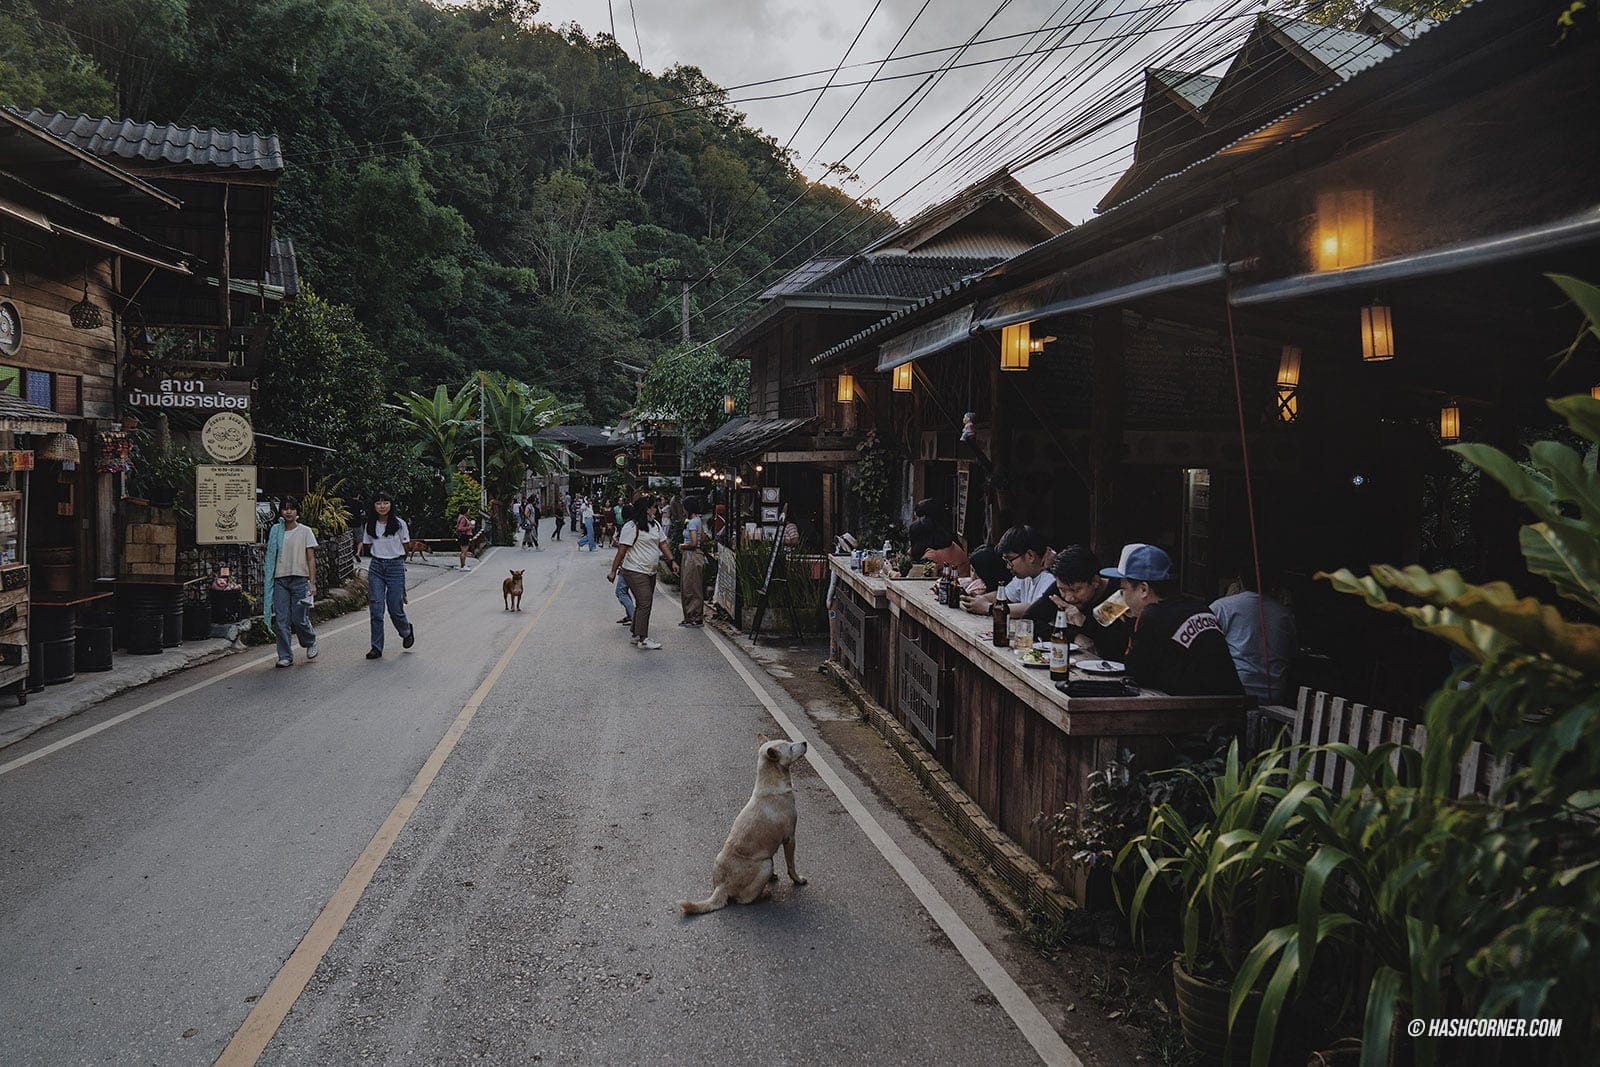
264	1019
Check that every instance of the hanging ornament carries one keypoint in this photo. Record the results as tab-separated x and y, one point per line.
84	315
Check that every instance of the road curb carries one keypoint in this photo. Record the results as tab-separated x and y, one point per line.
1034	886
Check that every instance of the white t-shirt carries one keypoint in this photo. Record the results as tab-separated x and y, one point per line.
292	556
587	512
695	525
644	550
1027	590
391	540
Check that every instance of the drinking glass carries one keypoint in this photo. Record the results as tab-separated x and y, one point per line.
1110	609
1022	633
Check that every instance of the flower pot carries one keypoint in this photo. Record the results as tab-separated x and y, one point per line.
1203	1012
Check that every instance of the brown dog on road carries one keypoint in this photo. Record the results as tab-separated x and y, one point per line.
744	871
417	549
511	589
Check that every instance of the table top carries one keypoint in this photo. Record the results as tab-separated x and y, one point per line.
1151	712
73	603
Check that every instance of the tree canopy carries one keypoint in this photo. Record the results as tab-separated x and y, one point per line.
483	190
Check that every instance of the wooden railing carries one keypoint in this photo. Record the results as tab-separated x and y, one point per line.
797	401
1320	718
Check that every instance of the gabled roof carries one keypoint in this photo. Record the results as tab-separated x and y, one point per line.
1340	53
1397	27
901	277
995	216
582	436
151	142
1189	90
43	159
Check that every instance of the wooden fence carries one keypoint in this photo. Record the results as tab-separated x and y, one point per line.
1320	718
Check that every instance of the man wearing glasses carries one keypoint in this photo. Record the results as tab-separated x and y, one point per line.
1025	555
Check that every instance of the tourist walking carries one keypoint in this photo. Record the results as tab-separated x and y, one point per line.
640	547
530	522
624	598
463	535
586	513
385	536
291	582
692	587
561	518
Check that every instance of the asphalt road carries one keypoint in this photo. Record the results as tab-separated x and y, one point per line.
157	875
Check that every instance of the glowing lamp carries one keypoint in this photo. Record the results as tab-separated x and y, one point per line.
847	388
727	404
1595	392
902	378
1343	233
1377	333
1289	366
1014	347
1450	422
1036	345
759	468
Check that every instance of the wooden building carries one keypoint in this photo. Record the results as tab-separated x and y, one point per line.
804	426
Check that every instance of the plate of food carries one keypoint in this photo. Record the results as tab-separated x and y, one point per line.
1033	657
1101	666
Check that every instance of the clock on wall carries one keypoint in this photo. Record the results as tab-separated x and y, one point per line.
10	328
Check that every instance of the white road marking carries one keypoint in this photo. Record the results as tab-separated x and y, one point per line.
252	664
1023	1011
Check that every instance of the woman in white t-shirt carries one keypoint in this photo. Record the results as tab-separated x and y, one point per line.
385	536
640	547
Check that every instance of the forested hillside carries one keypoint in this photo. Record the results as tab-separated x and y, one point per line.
483	190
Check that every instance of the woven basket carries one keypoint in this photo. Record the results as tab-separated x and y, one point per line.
61	447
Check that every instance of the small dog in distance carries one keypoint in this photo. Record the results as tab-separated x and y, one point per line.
744	871
416	550
511	589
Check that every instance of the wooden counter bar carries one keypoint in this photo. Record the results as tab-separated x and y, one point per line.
1020	748
864	630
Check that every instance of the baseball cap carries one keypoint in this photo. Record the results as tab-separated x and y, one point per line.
1141	563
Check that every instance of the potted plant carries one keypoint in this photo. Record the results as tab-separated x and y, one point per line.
1231	885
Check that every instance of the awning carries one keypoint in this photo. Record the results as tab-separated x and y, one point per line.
19	416
23	203
933	336
742	437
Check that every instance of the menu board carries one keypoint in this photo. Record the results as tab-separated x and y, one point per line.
224	505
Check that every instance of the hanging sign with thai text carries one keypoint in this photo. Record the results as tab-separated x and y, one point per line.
224	505
188	393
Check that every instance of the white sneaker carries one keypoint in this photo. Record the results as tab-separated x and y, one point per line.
650	644
311	653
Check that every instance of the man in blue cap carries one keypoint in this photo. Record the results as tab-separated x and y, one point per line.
1178	645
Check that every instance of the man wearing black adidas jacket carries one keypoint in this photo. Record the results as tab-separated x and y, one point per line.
1178	646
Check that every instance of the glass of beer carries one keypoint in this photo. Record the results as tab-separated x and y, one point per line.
1022	633
1110	609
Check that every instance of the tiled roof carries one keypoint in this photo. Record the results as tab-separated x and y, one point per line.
582	436
910	277
155	143
19	416
741	437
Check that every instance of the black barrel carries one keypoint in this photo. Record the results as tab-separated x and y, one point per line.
51	624
143	634
35	666
58	660
172	628
197	620
94	648
136	601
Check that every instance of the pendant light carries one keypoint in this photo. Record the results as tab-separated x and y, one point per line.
1377	333
902	378
847	389
84	315
1014	347
1289	383
1450	421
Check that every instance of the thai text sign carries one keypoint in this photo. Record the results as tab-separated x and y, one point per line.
224	505
190	393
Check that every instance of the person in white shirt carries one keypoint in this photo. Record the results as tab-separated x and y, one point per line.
1264	673
1024	552
385	536
586	516
693	586
640	547
294	579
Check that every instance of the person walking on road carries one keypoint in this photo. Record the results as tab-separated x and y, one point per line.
530	522
561	518
640	546
693	585
463	535
291	582
586	513
385	536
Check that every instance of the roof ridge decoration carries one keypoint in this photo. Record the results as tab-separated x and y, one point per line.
154	142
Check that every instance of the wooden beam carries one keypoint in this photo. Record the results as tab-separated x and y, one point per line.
1106	423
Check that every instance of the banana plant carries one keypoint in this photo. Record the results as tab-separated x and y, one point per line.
435	423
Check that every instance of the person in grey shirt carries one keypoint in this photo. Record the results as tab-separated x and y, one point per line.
1241	613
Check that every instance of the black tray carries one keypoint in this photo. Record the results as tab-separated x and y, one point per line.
1098	688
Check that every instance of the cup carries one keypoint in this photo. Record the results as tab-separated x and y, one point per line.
1022	633
1110	609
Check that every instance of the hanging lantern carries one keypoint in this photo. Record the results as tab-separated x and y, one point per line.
60	447
847	388
1343	232
902	378
728	404
1450	422
1014	348
1288	399
1036	345
1289	365
1595	392
84	315
1377	333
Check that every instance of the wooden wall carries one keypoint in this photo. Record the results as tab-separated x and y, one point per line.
44	286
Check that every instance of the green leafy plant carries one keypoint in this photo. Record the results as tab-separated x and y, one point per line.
323	509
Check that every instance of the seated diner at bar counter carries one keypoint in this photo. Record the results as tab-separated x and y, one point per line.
1024	552
1080	588
1178	646
935	544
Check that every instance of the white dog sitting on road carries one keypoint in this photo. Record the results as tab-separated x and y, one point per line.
744	872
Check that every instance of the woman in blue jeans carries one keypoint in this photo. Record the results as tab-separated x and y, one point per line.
385	536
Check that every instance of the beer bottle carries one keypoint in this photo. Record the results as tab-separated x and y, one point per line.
1002	619
1060	650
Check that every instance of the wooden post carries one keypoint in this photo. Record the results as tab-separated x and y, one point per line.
224	296
1106	421
999	435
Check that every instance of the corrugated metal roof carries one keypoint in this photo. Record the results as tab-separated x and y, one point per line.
283	268
1344	52
977	245
804	275
741	437
155	143
582	436
857	340
908	277
1195	89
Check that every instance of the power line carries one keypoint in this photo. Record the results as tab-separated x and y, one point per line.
638	44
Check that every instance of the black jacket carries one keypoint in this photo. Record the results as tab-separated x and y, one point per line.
1179	648
1110	642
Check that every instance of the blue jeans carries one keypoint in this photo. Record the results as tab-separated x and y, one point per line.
588	534
386	584
624	597
290	613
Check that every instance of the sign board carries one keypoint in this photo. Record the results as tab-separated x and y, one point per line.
224	505
227	437
725	590
770	515
963	490
190	394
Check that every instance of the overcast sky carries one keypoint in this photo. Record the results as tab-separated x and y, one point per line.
741	41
